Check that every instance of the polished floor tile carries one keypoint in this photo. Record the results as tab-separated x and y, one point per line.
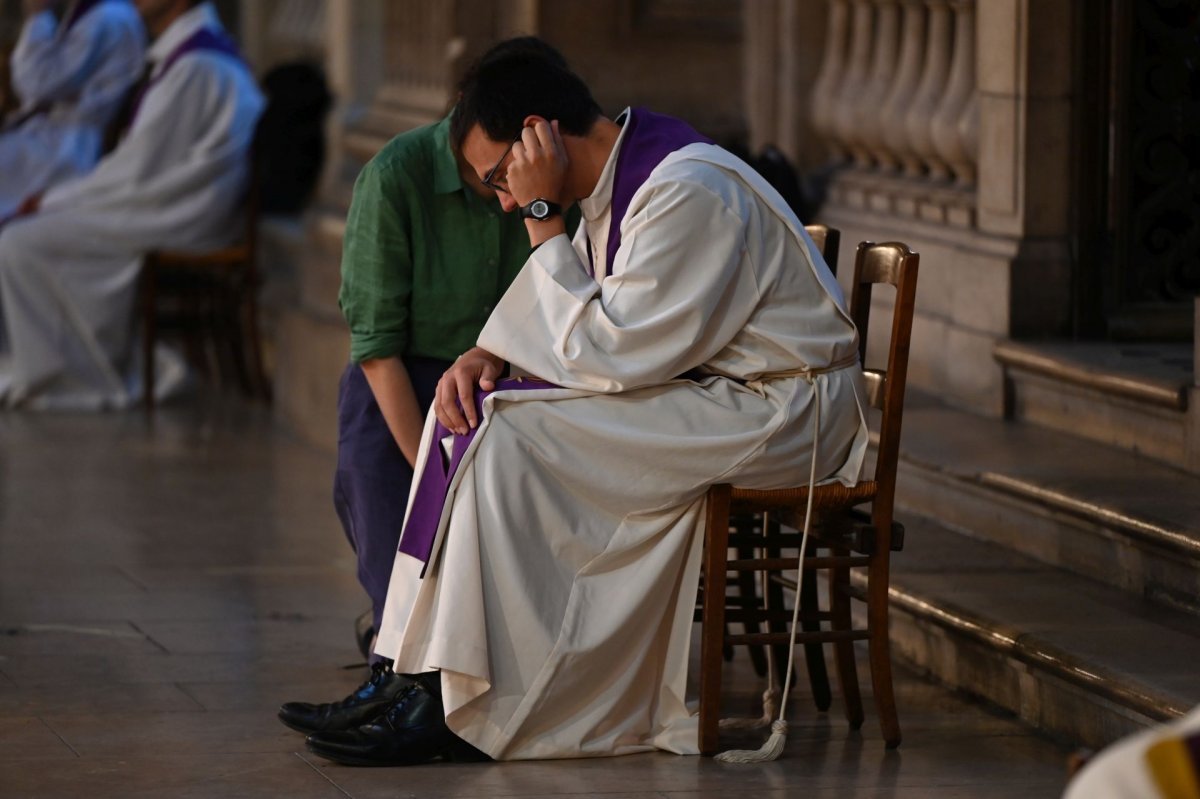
164	589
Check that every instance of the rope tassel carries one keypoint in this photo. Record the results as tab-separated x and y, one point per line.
769	751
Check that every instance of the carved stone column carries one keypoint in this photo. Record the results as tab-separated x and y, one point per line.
761	76
782	54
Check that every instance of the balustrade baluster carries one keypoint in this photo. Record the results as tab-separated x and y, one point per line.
904	88
945	135
968	132
826	88
921	154
858	68
869	140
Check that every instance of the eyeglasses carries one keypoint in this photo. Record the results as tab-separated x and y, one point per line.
488	179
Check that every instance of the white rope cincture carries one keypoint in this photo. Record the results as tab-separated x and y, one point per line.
773	747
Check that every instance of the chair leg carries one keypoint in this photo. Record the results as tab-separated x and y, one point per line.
229	332
748	599
880	651
839	605
253	342
149	336
814	653
712	629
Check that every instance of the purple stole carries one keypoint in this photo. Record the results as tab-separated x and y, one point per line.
203	39
649	138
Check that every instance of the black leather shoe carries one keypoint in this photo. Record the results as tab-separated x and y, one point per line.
367	702
412	731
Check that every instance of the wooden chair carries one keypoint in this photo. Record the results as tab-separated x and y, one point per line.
856	540
746	597
207	298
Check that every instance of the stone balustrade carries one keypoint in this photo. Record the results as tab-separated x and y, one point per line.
896	103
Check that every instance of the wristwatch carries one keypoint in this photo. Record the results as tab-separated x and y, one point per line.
540	210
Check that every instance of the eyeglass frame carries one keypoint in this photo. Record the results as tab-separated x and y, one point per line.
487	179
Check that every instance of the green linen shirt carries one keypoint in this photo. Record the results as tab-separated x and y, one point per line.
424	258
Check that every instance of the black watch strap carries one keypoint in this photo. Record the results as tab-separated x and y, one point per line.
540	209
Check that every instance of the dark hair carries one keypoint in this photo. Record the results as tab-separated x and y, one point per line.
514	79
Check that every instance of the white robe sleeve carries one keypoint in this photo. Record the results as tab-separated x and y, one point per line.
185	154
45	69
680	290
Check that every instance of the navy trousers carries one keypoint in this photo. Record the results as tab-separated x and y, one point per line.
370	487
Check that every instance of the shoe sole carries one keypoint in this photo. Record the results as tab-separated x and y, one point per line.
456	752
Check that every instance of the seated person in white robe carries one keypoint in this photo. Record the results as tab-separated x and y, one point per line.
72	67
1162	762
690	334
68	269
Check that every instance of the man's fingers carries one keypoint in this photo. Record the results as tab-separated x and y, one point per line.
466	398
443	403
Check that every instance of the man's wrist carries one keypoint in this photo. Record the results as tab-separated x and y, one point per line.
542	231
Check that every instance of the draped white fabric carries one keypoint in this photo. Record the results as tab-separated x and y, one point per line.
70	82
1123	770
559	599
68	274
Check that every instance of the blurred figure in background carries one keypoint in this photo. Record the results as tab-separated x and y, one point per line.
1162	762
73	65
69	262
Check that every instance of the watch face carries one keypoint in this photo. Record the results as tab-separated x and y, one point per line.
538	209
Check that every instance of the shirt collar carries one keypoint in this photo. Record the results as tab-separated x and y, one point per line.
192	20
596	204
446	177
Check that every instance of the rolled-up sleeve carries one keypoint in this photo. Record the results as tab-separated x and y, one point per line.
377	266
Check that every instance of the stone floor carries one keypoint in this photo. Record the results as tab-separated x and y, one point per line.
163	589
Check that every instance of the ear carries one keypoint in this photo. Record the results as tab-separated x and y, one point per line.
532	120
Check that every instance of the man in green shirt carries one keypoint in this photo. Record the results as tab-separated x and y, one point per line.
427	253
426	256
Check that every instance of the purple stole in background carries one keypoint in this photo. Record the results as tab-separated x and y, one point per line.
203	39
648	139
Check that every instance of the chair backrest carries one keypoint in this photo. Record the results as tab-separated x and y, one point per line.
895	264
827	239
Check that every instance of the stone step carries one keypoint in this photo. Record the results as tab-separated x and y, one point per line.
1131	396
1086	662
1123	520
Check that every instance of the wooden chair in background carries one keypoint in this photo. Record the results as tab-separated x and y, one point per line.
210	300
856	541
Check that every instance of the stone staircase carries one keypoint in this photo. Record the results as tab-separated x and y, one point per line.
1052	560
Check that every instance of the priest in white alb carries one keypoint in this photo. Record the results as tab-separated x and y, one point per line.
69	265
73	65
690	334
